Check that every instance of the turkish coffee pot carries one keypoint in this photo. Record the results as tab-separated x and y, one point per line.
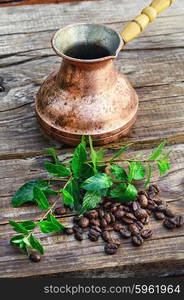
88	96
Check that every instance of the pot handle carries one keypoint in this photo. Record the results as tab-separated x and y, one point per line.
148	15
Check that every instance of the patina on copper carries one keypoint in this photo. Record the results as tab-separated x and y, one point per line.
86	96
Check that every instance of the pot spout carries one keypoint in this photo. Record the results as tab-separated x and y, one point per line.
87	43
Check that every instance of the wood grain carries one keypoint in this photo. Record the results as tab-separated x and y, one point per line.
154	64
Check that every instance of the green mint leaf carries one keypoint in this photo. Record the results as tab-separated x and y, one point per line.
40	198
56	170
156	153
79	158
48	227
126	194
93	155
132	170
118	172
25	192
120	152
163	166
18	227
166	156
50	191
138	170
99	156
29	225
52	152
54	221
90	201
67	197
149	175
118	191
73	189
97	182
35	244
17	239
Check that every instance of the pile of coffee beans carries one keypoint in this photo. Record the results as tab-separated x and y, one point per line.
114	221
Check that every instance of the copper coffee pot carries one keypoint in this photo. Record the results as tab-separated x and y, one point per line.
88	96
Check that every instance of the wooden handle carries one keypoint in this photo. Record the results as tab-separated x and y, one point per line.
148	15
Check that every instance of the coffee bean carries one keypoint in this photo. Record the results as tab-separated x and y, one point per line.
94	232
108	228
78	236
162	206
169	213
77	229
137	240
97	228
151	205
140	225
130	216
107	217
60	211
83	222
103	223
69	231
110	248
113	209
94	222
116	241
122	207
76	219
113	219
119	214
135	206
101	213
148	211
159	215
34	256
127	209
154	188
134	229
117	226
125	233
107	205
141	213
170	223
92	237
147	233
91	214
106	236
179	221
145	221
127	220
143	193
143	200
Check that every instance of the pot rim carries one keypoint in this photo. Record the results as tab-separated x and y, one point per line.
121	43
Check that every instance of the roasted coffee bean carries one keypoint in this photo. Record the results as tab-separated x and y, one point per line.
103	223
141	213
115	204
147	233
106	236
94	232
34	256
135	206
97	228
109	228
60	211
143	200
127	209
113	209
94	222
170	223
145	221
78	236
69	231
76	219
110	248
127	220
107	205
134	229
143	193
130	216
179	221
92	237
154	188
151	205
119	214
77	229
116	241
140	225
91	214
162	206
107	217
117	226
122	207
101	213
83	222
169	213
137	240
159	215
148	211
125	233
113	219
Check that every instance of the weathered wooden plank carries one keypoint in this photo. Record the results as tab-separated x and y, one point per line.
64	255
28	19
32	168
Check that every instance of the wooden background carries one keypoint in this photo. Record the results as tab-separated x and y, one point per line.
154	65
